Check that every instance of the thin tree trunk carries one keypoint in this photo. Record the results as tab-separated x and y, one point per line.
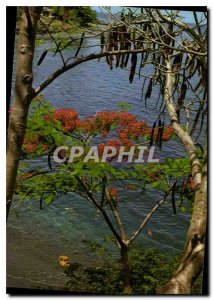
126	276
191	263
66	14
23	95
193	258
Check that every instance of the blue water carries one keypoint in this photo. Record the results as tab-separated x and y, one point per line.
64	227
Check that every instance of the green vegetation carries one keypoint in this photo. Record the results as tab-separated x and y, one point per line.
149	269
69	19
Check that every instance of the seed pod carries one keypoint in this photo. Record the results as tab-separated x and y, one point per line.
41	203
159	130
190	67
126	60
196	120
161	135
152	135
115	39
134	63
144	82
102	40
49	162
177	62
149	90
42	57
198	85
181	98
183	187
204	74
118	56
173	198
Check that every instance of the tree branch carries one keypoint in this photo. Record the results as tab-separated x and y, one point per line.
181	133
79	61
116	215
100	209
136	233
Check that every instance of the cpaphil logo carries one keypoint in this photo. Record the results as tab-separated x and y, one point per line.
134	154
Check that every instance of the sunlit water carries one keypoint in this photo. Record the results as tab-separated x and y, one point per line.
37	237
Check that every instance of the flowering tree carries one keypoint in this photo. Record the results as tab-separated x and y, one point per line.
97	178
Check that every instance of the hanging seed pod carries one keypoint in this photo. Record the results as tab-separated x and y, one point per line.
42	57
201	125
177	62
142	90
190	67
181	98
141	65
57	48
80	44
126	60
41	203
118	56
102	37
197	68
183	187
49	162
198	85
173	198
161	135
152	135
133	67
149	90
161	31
102	43
196	120
173	46
158	134
204	74
115	39
153	54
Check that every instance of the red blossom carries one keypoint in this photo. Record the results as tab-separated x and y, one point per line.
67	117
114	192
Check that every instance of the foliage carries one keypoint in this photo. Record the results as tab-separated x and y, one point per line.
149	269
83	15
49	128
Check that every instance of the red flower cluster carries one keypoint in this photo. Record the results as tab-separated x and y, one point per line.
126	127
114	143
114	192
32	144
67	117
167	133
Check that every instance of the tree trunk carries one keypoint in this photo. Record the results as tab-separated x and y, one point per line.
66	14
192	261
23	95
127	289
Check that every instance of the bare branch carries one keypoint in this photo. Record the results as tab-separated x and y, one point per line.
143	224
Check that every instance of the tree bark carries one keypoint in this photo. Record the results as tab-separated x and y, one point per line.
23	96
127	289
191	263
66	14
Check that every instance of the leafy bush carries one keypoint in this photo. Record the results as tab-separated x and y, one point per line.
149	269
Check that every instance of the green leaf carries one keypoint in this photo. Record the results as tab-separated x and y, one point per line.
49	199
